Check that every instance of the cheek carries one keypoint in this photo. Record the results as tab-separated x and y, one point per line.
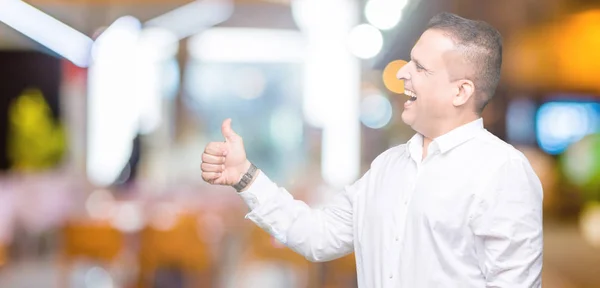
435	92
430	92
432	100
424	85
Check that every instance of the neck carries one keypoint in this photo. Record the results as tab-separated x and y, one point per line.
426	142
448	125
445	127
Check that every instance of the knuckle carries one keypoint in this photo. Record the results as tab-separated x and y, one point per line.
210	146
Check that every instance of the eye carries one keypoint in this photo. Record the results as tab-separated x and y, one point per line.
419	68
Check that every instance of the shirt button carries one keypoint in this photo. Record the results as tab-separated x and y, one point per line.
397	238
391	276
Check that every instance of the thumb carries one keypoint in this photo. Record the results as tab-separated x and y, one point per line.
228	133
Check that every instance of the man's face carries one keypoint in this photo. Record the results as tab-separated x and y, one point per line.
427	82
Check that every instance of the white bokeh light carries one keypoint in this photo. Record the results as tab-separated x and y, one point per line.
247	45
112	116
128	217
331	77
98	277
46	30
384	14
365	41
100	204
157	44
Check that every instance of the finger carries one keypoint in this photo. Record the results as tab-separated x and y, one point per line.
212	159
210	176
227	132
212	167
215	148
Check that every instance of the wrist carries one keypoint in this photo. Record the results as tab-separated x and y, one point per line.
246	177
243	170
251	181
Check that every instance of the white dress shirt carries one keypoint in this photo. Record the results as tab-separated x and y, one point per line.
468	215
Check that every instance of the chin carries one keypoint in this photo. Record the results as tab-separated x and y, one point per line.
407	118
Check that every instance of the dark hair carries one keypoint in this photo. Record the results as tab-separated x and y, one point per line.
480	45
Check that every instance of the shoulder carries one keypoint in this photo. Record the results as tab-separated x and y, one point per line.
506	166
496	151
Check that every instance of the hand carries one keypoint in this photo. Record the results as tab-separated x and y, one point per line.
224	163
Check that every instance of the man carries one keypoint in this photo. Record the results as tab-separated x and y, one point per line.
453	207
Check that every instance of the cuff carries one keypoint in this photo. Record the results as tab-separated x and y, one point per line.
260	191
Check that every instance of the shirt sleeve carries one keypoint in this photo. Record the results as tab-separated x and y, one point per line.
508	227
317	234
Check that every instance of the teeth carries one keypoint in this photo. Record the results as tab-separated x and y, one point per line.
410	94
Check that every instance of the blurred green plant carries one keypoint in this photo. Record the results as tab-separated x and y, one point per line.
35	141
581	165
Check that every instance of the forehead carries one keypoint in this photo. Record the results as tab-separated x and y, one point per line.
431	47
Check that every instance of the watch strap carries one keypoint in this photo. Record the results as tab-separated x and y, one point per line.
246	178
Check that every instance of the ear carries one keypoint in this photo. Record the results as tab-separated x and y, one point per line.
464	92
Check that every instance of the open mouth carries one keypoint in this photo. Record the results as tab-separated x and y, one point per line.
412	96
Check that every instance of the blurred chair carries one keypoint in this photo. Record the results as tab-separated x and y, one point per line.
97	241
263	248
178	247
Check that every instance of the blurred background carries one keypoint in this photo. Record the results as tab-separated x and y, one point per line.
106	106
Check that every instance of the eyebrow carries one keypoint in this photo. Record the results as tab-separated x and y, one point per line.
416	61
419	63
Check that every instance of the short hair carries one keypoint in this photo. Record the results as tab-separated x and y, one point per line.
480	45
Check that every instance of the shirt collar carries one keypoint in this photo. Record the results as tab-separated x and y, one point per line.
414	147
447	141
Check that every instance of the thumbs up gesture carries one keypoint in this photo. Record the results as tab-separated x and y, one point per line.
224	163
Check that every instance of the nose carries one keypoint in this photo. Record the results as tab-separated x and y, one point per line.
403	73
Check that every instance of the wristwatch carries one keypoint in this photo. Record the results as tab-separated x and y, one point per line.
246	178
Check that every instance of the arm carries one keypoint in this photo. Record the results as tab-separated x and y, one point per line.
317	234
508	228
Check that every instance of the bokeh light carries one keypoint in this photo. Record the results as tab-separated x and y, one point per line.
590	224
581	164
561	123
390	78
375	111
384	14
365	41
100	204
